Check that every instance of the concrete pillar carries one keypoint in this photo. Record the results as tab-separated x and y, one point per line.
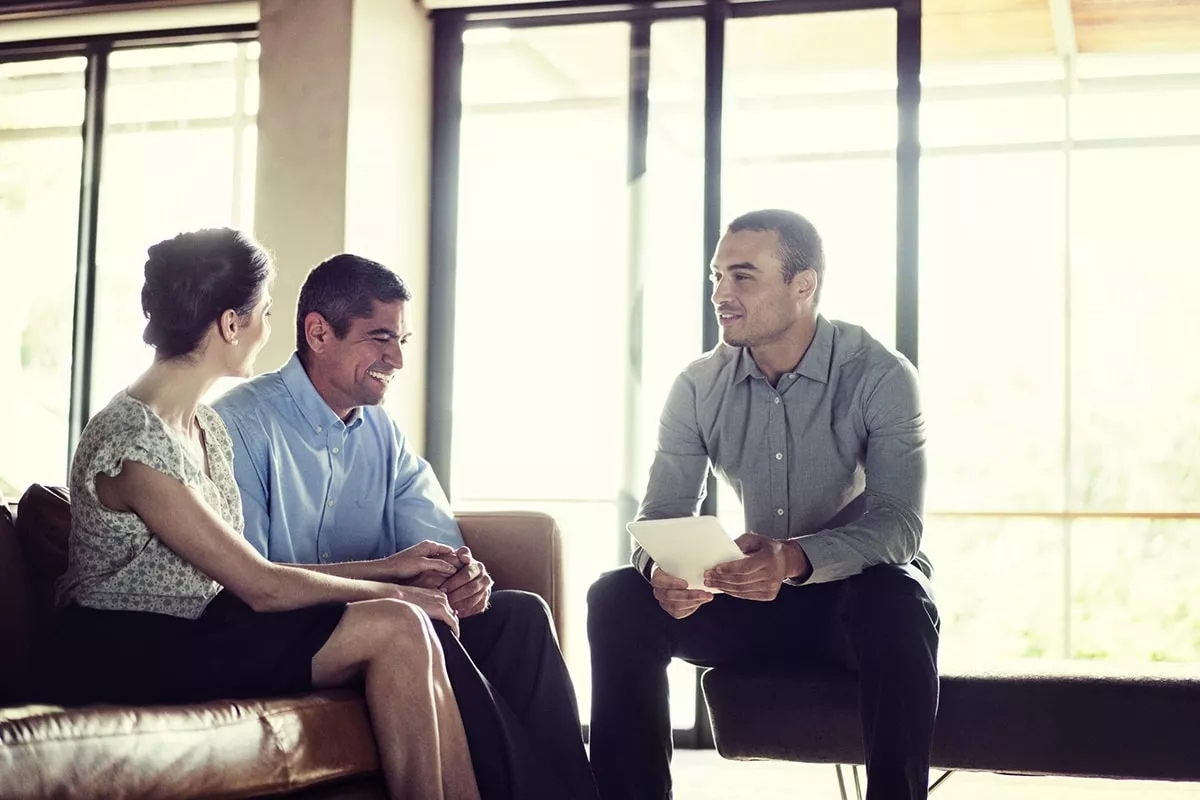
343	149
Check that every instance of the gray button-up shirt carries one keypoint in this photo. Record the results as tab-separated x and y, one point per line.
833	455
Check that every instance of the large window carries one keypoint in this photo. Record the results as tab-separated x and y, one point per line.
545	409
1053	309
162	102
167	134
41	111
810	125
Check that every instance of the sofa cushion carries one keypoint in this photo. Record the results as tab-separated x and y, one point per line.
216	749
43	528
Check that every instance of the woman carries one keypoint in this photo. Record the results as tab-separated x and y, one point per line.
164	601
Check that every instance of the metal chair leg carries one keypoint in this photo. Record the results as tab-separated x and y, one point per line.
858	787
941	779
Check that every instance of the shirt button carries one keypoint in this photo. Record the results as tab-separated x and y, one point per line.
319	429
779	456
325	556
779	512
330	504
776	401
335	451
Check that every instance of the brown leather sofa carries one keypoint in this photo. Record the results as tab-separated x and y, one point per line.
316	745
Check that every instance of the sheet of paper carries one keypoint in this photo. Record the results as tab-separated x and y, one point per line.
687	546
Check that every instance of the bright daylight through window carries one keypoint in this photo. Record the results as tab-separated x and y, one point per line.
1056	287
160	102
1059	187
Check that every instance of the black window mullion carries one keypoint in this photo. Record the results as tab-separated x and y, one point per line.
908	160
83	323
443	242
714	97
639	133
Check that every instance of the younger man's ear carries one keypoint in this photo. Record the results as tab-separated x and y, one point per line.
317	331
806	283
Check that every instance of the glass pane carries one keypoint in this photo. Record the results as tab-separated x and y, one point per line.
1102	113
161	103
1136	591
811	83
852	203
949	119
571	65
542	249
545	205
1130	94
998	584
992	230
1134	283
173	84
41	110
789	111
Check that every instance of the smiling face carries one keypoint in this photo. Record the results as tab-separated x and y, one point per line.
354	370
754	304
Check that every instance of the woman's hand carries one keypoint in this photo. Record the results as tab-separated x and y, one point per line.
421	558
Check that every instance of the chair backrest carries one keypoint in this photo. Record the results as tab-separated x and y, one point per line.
33	554
15	648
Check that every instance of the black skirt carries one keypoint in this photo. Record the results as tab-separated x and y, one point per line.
230	652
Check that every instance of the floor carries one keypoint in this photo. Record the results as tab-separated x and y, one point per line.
704	775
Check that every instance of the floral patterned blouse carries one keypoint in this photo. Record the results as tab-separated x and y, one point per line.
114	561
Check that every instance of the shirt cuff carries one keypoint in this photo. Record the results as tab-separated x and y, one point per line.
800	580
642	562
826	556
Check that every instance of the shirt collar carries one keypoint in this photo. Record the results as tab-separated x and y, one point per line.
316	411
814	365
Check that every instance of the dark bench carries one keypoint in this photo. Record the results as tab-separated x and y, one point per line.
1076	718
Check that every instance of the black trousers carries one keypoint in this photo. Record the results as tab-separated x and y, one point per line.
517	702
882	623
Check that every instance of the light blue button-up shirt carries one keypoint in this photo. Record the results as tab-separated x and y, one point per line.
317	490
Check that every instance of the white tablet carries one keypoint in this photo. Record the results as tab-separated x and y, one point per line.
686	546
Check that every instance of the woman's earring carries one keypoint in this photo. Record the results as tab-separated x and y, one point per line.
235	341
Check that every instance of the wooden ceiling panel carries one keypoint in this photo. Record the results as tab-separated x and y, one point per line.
937	7
989	35
1137	26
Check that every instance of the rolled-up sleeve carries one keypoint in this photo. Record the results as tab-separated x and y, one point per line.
890	527
676	485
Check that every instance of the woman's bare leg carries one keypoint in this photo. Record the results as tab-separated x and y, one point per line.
391	645
458	774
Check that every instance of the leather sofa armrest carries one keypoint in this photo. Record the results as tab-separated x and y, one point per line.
522	550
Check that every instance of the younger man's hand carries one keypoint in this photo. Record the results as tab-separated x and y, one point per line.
674	596
760	573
